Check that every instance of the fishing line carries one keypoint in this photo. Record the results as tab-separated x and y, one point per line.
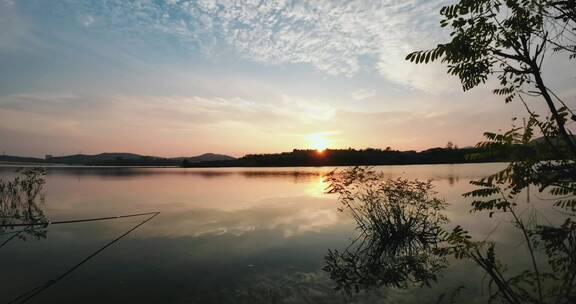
16	234
76	221
25	297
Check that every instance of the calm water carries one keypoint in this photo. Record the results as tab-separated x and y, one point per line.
223	236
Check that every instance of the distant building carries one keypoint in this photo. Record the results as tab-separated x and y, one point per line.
48	156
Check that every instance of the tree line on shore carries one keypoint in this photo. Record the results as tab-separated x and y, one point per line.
351	157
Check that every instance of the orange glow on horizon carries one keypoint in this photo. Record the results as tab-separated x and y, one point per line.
318	142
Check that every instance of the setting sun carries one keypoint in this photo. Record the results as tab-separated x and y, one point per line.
320	147
318	141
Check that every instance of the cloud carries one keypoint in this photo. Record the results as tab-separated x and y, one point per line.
161	125
430	78
332	36
172	125
87	20
361	94
160	112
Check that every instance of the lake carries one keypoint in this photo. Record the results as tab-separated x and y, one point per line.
233	235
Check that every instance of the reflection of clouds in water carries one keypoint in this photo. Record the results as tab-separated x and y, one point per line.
291	216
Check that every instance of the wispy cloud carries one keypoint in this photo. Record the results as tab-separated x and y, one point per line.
163	125
176	76
362	94
332	36
154	112
172	125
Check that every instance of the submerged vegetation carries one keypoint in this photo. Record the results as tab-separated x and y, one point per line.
21	201
404	241
400	224
22	216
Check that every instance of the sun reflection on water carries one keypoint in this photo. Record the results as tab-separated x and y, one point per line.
317	188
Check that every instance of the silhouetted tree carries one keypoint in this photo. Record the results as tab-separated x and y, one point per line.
509	39
348	157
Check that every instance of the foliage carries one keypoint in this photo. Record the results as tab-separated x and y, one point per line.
560	246
509	39
403	241
400	224
546	164
20	202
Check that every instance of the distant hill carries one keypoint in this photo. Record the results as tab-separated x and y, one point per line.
83	159
118	159
207	157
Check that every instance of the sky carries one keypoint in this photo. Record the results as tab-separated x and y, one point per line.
181	78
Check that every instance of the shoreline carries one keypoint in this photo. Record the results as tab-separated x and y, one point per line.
65	166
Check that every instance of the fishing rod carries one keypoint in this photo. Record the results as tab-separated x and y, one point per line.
76	221
25	297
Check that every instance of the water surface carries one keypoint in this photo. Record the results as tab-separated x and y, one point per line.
223	236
